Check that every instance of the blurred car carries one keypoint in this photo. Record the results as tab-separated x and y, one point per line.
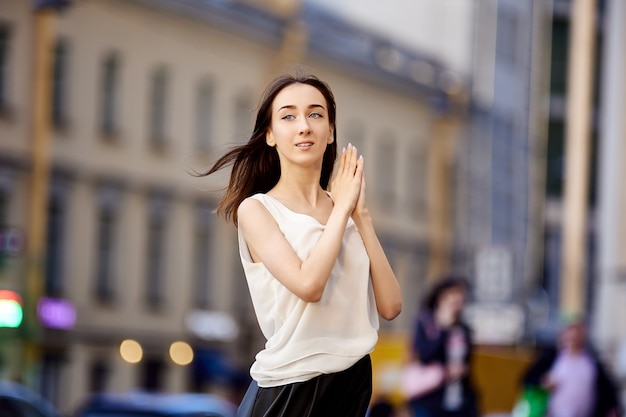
144	404
18	401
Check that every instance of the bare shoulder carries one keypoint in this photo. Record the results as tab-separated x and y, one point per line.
252	212
249	206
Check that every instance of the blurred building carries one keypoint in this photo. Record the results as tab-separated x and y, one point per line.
443	29
498	163
555	163
500	198
610	265
605	237
143	93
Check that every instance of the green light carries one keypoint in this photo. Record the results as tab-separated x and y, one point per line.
11	313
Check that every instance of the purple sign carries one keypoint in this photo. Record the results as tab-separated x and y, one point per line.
56	313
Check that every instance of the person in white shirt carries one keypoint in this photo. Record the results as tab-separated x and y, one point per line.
316	271
578	383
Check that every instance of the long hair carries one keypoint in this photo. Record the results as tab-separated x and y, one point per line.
432	298
255	165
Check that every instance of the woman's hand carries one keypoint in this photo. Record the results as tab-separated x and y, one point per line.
347	182
360	209
456	371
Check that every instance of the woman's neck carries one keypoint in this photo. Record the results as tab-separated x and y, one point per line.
308	193
300	185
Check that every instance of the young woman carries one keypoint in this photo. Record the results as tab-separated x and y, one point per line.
317	274
441	338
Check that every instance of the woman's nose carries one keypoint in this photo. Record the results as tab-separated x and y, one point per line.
303	127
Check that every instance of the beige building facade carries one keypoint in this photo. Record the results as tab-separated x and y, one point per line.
143	94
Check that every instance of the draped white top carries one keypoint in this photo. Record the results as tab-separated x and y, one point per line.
307	339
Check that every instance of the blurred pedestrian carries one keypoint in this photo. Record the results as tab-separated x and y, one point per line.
442	340
577	382
317	274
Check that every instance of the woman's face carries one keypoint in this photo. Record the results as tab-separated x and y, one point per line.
453	300
300	129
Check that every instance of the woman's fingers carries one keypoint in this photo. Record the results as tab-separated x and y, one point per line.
342	162
346	185
347	161
352	158
358	172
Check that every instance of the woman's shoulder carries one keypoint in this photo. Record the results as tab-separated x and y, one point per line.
258	207
251	205
262	198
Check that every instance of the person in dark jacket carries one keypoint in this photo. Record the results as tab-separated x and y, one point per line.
442	338
578	383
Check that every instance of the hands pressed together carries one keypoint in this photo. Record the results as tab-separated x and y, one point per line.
348	184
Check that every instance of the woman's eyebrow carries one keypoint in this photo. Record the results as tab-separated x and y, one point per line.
292	106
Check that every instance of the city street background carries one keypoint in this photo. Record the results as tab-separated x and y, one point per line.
494	135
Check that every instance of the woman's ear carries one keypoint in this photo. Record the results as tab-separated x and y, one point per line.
269	139
331	131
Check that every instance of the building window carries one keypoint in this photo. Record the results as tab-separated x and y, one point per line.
6	187
417	173
243	118
55	243
158	107
502	179
555	159
559	51
59	84
51	366
106	243
4	66
205	111
98	375
152	374
4	208
155	257
507	36
203	256
110	87
385	179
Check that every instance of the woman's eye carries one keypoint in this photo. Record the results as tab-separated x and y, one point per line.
288	117
315	115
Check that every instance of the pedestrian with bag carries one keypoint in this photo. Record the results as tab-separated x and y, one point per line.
437	378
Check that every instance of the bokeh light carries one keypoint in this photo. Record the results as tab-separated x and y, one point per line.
131	351
181	353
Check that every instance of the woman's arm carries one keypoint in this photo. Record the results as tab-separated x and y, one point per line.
386	287
305	278
429	340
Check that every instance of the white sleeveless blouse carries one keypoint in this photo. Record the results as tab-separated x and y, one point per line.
306	339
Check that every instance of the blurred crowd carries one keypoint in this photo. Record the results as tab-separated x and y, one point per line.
566	378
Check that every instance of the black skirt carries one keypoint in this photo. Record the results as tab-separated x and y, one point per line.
342	394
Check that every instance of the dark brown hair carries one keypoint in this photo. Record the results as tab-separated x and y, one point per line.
433	296
255	165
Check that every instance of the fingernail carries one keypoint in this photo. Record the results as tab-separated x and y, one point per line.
349	145
343	150
361	157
